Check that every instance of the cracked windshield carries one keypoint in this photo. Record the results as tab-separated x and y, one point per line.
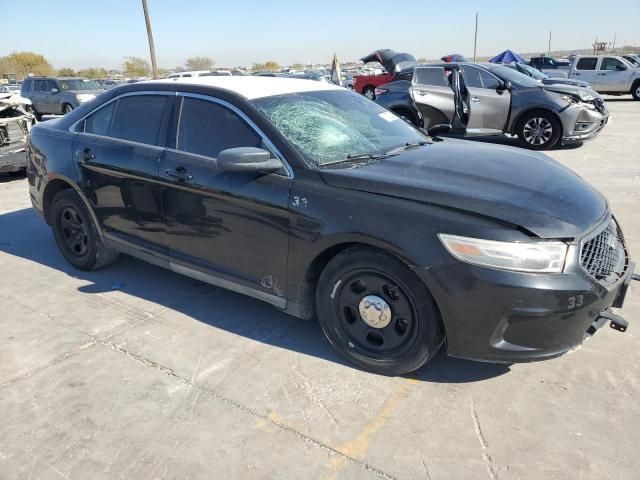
334	126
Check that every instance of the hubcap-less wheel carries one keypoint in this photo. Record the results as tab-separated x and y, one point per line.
74	231
375	313
537	131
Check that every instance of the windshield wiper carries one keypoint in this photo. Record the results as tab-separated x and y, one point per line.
407	146
356	157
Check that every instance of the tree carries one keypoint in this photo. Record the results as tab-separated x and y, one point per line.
258	67
271	66
298	66
66	72
24	63
135	67
94	72
199	63
422	60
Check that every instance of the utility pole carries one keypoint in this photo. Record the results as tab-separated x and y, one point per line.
152	49
549	49
613	47
475	39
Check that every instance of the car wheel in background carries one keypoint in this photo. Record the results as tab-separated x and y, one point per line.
377	313
76	233
538	130
369	92
635	90
66	108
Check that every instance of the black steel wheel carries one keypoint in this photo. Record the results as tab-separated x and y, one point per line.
369	92
377	313
76	233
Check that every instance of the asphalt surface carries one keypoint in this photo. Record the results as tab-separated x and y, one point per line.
134	372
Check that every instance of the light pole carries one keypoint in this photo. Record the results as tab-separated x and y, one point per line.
475	39
152	49
549	49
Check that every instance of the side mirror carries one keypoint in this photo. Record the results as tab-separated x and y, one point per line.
247	159
621	68
439	129
54	90
506	85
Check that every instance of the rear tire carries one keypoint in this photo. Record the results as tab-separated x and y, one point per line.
369	92
407	115
377	313
67	108
635	90
538	130
76	233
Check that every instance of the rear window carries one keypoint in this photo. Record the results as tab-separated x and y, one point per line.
138	118
587	63
431	76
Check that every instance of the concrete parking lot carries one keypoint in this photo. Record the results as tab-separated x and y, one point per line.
134	372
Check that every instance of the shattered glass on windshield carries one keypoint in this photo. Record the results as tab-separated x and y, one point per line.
333	126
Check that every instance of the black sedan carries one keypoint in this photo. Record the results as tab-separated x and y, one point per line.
324	204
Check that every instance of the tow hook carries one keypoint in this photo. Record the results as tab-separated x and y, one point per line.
617	322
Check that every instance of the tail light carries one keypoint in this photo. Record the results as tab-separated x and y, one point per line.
381	91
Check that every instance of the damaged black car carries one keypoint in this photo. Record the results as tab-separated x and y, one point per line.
326	205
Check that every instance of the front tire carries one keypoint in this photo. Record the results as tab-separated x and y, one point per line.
67	108
538	130
377	313
635	90
76	233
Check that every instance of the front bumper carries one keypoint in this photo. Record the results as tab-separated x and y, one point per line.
502	316
580	124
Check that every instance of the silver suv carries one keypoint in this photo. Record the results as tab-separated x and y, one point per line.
50	95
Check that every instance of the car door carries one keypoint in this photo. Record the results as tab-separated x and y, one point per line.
433	95
585	69
611	75
117	151
40	95
54	95
489	102
227	228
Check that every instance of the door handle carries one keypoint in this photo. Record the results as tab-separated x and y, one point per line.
475	99
576	73
422	93
85	155
179	174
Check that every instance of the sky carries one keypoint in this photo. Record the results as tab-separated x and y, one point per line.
100	33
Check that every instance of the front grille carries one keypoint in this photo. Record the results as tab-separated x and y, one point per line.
604	256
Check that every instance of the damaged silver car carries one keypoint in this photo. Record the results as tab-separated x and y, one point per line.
15	123
488	99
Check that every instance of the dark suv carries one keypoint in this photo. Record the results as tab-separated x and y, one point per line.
57	96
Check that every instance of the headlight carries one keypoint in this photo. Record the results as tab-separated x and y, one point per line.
570	99
537	257
85	97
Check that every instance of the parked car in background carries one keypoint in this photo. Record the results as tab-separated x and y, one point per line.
15	124
633	60
310	197
490	99
544	78
190	73
607	74
551	66
392	62
58	95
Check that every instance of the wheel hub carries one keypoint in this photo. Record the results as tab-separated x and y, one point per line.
374	311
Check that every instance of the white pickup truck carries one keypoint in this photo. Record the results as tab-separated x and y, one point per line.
608	74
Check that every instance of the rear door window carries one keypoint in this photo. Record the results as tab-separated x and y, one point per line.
139	118
206	128
39	85
587	63
434	76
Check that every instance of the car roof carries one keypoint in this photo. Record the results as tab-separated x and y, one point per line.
252	87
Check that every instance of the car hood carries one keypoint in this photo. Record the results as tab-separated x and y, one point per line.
513	186
585	94
566	81
90	92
